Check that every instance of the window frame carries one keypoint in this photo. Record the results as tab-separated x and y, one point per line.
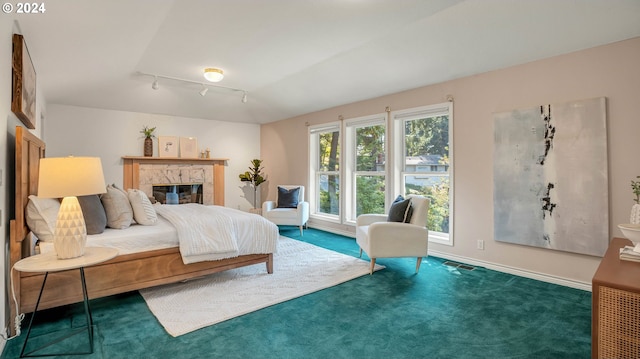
349	150
315	173
398	119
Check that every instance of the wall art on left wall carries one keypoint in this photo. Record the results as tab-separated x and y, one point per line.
23	96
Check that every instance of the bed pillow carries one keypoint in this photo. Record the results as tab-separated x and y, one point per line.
400	210
42	214
117	207
95	218
143	211
288	198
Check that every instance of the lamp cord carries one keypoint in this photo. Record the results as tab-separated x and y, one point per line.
17	321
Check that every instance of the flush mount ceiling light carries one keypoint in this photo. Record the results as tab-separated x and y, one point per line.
212	74
202	92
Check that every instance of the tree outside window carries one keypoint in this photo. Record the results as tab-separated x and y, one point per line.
427	147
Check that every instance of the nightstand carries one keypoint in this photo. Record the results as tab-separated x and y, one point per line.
49	262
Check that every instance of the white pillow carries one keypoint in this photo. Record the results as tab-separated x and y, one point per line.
42	214
143	211
116	205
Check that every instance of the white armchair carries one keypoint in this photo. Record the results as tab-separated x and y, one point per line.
382	239
287	209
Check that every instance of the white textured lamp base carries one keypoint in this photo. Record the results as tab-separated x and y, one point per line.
71	233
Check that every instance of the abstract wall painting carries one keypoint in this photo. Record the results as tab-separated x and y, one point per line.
550	177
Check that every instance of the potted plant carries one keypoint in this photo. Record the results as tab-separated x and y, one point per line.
148	140
254	177
635	210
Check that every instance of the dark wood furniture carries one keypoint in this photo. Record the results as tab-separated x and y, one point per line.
121	274
615	320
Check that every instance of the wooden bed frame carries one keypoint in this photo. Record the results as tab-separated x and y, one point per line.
122	274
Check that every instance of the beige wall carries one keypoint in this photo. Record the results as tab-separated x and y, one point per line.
612	71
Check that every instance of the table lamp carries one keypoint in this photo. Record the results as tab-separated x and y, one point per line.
68	177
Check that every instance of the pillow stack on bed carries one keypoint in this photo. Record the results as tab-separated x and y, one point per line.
114	209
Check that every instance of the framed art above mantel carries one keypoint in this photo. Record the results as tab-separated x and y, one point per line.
23	95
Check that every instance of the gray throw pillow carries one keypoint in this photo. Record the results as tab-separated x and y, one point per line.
400	210
118	208
95	218
288	198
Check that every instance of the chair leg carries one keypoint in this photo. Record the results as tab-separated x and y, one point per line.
418	264
301	233
373	264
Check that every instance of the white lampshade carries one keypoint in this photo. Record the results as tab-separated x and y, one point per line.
69	177
213	74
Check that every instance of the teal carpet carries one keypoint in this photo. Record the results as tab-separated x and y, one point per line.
443	312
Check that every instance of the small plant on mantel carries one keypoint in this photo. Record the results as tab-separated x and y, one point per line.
635	210
254	177
148	140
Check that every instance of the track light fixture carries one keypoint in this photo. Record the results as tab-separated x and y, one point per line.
205	86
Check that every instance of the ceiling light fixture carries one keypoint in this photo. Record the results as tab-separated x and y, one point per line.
205	86
212	74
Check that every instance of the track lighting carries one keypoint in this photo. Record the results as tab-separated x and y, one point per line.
205	86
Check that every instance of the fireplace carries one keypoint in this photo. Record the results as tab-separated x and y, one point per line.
145	173
178	193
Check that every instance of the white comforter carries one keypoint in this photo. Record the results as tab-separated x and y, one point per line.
215	232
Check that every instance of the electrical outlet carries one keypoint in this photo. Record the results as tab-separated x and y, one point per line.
480	244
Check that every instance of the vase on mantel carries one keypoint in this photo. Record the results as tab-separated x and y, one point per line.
148	147
635	214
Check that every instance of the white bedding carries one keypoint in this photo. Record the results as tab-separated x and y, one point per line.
253	233
213	232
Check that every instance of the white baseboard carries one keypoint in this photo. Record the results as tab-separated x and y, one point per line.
332	230
515	271
489	265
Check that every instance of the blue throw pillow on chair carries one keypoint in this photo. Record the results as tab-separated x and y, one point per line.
400	210
288	198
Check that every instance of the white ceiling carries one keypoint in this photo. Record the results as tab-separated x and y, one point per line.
295	56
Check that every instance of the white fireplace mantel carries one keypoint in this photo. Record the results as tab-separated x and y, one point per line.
213	191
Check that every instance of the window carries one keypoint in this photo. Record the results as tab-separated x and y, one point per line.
324	187
351	171
423	162
365	173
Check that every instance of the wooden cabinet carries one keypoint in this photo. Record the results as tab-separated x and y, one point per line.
615	318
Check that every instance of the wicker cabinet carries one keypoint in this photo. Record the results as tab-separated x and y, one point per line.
615	320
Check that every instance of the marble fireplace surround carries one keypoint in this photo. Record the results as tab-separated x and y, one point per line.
144	172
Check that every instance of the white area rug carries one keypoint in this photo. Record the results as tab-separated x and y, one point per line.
299	268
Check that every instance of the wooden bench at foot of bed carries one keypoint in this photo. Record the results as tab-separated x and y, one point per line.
123	274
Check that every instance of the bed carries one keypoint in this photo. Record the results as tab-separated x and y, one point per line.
130	270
